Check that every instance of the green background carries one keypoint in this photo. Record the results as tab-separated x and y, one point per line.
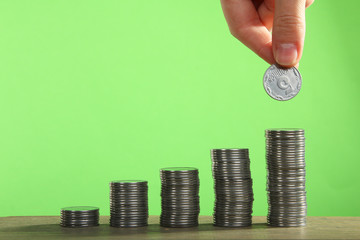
92	91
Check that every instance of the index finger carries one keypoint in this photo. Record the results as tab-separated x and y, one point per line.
245	24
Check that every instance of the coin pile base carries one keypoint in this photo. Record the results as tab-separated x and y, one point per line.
233	187
81	216
285	155
129	203
179	197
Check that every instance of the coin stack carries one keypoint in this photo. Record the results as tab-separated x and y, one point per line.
128	203
179	197
79	216
233	187
285	155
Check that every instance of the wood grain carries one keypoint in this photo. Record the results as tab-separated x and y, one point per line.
47	227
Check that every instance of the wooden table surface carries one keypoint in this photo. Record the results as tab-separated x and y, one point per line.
47	227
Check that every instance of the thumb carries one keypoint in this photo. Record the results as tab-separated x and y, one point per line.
288	31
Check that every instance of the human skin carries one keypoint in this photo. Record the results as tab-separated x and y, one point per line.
273	29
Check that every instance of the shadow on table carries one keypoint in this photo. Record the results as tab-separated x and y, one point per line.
106	230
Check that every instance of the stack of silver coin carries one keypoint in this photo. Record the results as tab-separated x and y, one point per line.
79	216
129	203
233	187
285	155
179	197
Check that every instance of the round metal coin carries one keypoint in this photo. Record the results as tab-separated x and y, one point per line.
282	83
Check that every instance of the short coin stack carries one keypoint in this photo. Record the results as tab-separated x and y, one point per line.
128	203
79	216
285	155
233	187
179	197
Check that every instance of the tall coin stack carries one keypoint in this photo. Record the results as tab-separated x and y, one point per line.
233	187
79	216
128	203
285	155
179	197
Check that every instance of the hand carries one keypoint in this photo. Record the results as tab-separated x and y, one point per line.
251	21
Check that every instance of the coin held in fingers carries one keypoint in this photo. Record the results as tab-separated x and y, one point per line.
282	83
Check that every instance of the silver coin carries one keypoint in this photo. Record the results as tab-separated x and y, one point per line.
282	83
233	187
286	177
179	197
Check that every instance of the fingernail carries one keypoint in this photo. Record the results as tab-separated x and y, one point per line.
286	54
